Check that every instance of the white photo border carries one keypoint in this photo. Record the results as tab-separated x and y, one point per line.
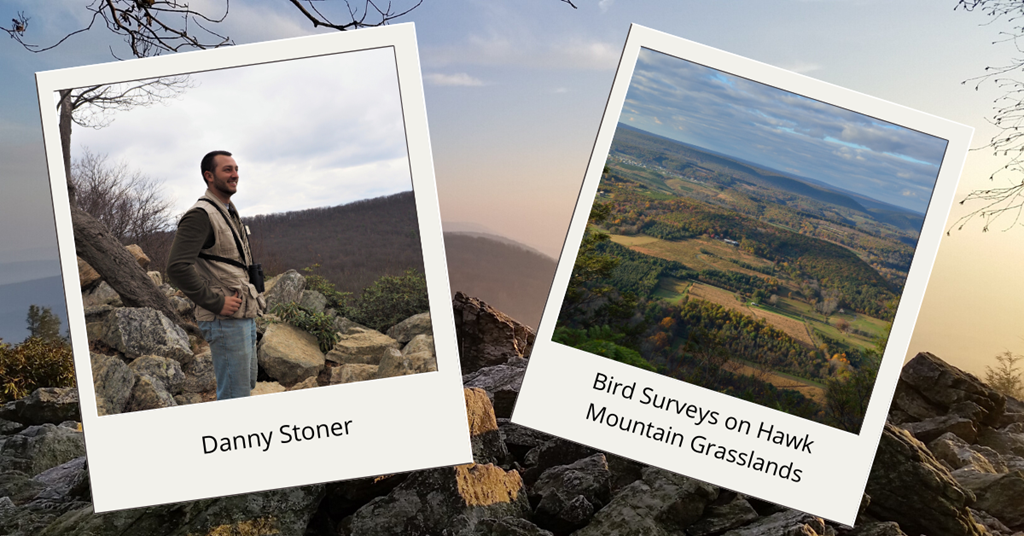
388	415
558	388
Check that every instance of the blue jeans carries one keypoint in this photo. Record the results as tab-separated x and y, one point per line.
233	348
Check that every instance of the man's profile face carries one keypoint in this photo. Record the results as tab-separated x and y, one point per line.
224	178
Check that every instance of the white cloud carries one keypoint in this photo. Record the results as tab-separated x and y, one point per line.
457	79
604	5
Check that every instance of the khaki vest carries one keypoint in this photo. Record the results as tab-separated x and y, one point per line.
223	278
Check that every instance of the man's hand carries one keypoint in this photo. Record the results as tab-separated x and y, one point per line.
231	305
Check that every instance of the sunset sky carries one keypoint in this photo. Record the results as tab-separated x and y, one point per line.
515	92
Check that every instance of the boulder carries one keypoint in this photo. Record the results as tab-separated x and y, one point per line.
486	336
137	331
885	528
182	305
156	278
139	256
929	429
67	480
449	500
506	526
568	495
420	343
519	440
112	381
166	371
945	386
149	393
265	388
353	373
312	300
1002	442
100	295
719	518
282	511
484	436
999	495
38	448
44	405
502	383
405	330
660	504
289	354
308	383
953	451
199	375
553	452
909	486
394	363
285	288
345	326
87	275
789	522
366	347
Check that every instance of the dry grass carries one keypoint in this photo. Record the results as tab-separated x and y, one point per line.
793	328
815	393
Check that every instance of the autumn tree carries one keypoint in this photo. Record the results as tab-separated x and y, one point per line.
43	324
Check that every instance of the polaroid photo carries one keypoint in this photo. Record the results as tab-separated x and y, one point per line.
279	199
742	274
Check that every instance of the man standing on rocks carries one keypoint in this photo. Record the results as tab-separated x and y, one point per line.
209	262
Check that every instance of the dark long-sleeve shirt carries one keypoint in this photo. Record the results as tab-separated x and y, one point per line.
195	233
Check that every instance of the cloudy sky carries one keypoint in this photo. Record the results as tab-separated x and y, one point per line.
303	133
515	91
785	131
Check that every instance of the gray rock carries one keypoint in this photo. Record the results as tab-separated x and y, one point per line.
519	439
345	326
182	305
313	300
929	429
568	495
788	522
149	393
289	354
102	294
38	448
993	525
44	405
909	486
200	376
945	386
502	383
143	331
885	528
552	453
999	495
506	526
1002	442
353	373
68	479
485	439
113	382
394	363
956	453
97	313
365	347
285	288
486	336
660	504
405	330
719	518
166	371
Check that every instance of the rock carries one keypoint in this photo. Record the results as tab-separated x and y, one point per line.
1002	442
200	376
660	504
289	354
366	347
502	383
265	388
885	528
345	326
137	331
308	383
41	447
182	305
113	382
342	499
149	393
945	386
393	363
44	405
506	526
484	436
283	511
166	371
353	373
929	429
486	336
719	518
420	343
100	295
443	501
97	313
568	495
552	453
313	300
909	486
156	278
999	495
284	289
990	523
87	275
139	256
409	328
789	522
956	453
519	440
69	479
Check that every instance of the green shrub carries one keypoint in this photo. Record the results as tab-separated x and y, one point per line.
319	325
391	299
33	364
337	300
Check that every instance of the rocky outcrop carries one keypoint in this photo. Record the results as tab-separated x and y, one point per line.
487	337
138	331
157	380
501	382
113	382
285	288
405	330
289	355
52	405
38	448
362	347
312	300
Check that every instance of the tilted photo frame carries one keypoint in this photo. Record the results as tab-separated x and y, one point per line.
335	187
742	274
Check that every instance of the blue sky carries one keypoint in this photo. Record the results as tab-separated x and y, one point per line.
782	130
515	91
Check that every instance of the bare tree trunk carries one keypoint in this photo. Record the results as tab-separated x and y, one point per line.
64	127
